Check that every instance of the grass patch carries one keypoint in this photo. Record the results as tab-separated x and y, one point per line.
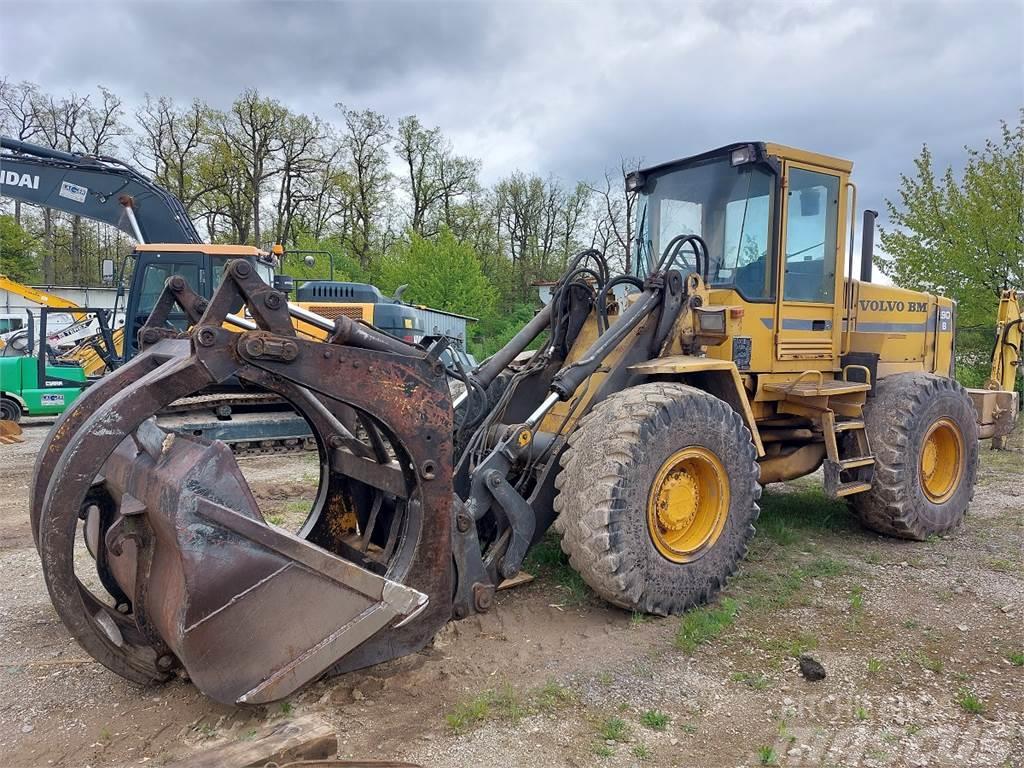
757	682
767	756
1016	658
287	708
860	713
874	666
613	729
655	720
508	705
857	600
275	519
704	624
603	750
774	591
969	702
640	752
791	646
300	506
930	663
786	518
548	562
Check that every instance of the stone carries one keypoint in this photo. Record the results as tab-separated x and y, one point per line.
811	669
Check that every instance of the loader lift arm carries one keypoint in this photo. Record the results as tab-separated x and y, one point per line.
97	187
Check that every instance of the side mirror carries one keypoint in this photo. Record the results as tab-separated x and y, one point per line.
107	270
309	261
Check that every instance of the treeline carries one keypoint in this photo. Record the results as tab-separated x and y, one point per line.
353	182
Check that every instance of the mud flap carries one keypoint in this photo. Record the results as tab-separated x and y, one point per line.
251	611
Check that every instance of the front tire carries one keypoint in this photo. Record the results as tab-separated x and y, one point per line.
657	497
9	410
924	434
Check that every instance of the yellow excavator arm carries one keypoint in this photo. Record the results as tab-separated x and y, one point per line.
1006	355
39	297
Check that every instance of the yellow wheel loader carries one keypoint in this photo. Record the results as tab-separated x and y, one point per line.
643	427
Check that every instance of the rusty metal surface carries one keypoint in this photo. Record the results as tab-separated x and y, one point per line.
199	578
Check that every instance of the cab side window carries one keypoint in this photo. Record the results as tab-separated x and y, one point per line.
812	221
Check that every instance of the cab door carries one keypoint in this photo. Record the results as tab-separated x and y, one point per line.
150	274
808	313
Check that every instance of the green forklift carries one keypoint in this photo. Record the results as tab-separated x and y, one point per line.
34	380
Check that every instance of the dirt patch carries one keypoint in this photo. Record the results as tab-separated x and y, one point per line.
922	644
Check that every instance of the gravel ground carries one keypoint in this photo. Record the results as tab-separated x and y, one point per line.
920	642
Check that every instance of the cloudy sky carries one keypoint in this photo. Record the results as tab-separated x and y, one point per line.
569	87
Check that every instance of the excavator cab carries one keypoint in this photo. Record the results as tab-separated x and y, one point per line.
201	265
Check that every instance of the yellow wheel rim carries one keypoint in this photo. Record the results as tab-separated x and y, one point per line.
688	504
942	460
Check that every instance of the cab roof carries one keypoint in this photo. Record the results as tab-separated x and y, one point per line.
214	250
780	151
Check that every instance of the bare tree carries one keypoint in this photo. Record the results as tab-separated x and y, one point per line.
616	208
365	139
18	117
301	155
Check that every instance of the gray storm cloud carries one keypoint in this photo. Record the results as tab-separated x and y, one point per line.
568	88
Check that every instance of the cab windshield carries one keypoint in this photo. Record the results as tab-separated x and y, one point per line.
730	207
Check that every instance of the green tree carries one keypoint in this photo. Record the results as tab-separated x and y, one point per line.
17	251
441	273
962	237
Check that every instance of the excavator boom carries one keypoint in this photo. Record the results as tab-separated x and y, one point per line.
96	187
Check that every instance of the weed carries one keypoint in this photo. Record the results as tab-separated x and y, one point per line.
548	561
300	506
856	600
207	731
507	704
640	752
929	663
757	682
860	713
287	708
910	624
793	646
655	720
603	750
106	735
969	702
275	519
874	666
704	624
1002	565
639	618
249	735
469	713
767	756
551	696
1016	658
688	728
606	678
614	729
913	728
873	558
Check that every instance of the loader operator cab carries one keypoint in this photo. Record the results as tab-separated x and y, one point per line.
201	265
762	209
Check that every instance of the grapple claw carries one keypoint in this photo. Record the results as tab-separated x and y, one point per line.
190	573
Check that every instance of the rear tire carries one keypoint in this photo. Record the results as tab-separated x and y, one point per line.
9	410
924	435
641	456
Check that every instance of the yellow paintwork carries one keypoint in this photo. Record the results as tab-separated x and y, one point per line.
1006	357
683	365
688	504
39	297
942	458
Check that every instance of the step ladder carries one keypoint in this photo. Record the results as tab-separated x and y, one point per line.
847	471
836	407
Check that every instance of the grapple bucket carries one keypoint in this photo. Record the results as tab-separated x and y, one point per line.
184	570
